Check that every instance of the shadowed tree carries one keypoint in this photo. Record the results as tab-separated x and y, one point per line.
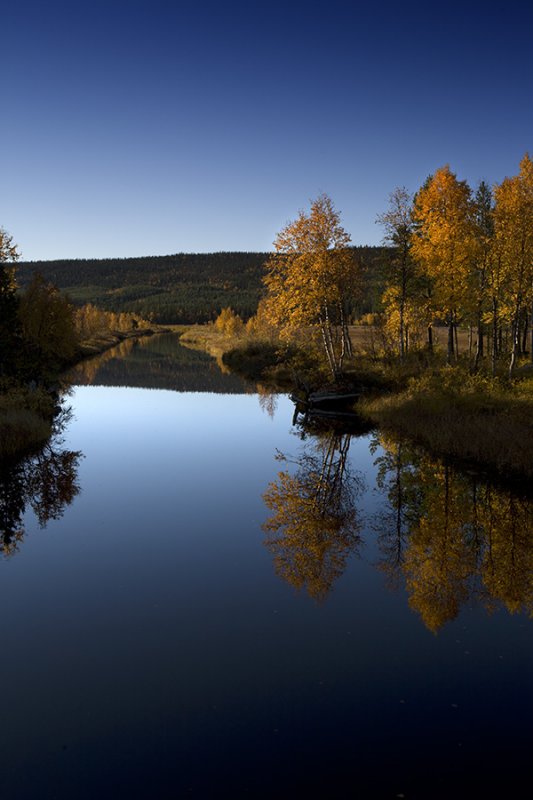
8	302
48	327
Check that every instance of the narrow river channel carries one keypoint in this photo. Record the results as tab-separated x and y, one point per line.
201	598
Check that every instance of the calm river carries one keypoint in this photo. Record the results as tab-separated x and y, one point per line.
201	598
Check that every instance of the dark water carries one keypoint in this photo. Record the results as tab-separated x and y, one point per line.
200	599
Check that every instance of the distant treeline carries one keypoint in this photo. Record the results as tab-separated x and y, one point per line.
183	288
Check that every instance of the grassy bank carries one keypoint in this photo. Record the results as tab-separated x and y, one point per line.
27	411
100	342
479	421
26	416
265	361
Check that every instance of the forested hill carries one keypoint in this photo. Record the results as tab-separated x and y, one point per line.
180	288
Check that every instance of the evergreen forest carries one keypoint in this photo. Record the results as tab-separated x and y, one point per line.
183	288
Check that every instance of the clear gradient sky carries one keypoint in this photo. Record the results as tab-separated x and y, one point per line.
152	127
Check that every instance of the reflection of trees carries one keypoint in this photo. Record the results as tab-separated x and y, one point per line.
507	564
440	557
268	399
86	371
453	537
396	480
47	482
157	362
314	525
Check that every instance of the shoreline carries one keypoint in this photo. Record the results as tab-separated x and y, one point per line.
27	412
481	423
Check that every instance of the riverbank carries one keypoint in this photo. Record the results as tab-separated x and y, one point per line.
103	341
27	410
26	418
475	419
482	422
262	360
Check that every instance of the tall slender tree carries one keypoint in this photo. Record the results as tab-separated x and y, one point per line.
484	227
444	243
398	227
312	277
513	222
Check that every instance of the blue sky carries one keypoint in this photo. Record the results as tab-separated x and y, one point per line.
138	128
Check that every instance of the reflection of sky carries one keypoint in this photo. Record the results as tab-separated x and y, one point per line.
148	623
217	442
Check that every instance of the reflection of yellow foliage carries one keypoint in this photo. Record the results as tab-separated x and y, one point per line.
86	371
439	560
507	567
314	527
461	533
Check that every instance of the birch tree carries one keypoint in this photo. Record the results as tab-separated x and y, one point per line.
311	278
445	243
513	230
398	226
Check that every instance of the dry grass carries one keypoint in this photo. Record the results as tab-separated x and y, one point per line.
211	340
21	431
210	337
25	419
366	338
469	418
100	342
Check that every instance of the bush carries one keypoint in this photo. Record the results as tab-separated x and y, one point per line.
229	323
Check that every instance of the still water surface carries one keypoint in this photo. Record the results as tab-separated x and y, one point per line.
202	599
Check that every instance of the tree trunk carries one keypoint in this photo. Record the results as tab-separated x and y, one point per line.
516	345
402	344
450	351
430	338
494	335
479	343
525	332
346	339
531	335
328	347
